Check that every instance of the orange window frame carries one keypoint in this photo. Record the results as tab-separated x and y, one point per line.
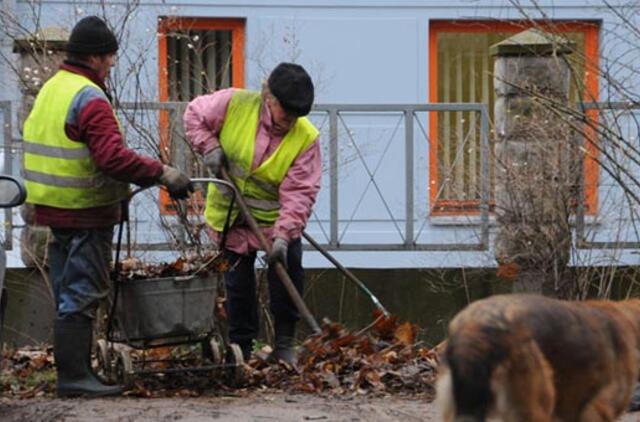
589	28
165	26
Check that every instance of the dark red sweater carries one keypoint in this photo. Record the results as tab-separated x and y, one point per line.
96	126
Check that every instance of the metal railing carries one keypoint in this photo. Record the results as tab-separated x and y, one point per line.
330	227
337	224
612	137
333	228
409	113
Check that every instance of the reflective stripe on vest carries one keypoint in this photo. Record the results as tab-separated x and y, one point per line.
56	152
259	187
58	171
261	204
235	171
64	181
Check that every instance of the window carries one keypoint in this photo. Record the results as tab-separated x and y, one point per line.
196	56
460	71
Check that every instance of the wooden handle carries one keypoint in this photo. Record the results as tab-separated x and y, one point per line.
280	270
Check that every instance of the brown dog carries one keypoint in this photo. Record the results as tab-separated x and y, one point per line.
530	358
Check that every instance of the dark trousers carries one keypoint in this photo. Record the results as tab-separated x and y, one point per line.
79	262
242	302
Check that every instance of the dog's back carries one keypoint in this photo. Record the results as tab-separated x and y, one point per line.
530	358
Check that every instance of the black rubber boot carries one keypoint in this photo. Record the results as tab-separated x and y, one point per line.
72	339
246	348
284	350
634	404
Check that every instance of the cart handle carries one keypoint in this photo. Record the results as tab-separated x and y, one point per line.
193	180
125	212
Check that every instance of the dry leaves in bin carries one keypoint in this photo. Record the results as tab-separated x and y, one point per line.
204	261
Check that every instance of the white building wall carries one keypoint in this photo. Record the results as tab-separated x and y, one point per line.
367	52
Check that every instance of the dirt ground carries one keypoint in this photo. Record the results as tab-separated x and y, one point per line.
252	407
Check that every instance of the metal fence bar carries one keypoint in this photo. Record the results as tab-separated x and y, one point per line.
581	240
354	247
408	150
484	174
151	105
333	177
5	106
400	108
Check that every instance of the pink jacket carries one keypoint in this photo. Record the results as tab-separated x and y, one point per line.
203	121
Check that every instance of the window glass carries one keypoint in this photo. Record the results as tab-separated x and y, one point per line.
464	74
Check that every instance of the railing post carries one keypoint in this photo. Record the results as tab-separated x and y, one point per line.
8	168
408	152
333	175
484	174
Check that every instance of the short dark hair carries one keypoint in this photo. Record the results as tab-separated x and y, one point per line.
292	87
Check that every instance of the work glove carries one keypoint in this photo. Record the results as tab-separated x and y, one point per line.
278	251
176	182
214	160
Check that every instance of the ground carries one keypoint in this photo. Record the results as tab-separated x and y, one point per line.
254	406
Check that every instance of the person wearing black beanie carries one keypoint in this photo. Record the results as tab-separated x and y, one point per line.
273	152
77	169
91	35
92	44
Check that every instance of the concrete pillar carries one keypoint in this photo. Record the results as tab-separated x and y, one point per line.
40	56
537	162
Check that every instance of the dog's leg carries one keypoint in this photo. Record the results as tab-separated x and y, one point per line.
444	395
610	402
523	385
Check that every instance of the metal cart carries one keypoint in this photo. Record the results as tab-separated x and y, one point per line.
168	311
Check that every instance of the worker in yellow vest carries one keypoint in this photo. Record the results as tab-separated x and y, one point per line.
272	153
77	170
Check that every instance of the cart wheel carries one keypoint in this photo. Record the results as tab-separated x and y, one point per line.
104	360
235	369
124	368
211	350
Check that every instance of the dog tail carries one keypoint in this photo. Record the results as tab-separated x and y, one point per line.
472	359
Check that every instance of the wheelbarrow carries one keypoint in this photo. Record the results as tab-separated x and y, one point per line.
150	313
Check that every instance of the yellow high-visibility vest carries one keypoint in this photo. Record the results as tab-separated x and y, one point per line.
58	171
259	187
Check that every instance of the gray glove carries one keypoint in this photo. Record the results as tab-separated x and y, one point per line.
176	182
214	160
278	251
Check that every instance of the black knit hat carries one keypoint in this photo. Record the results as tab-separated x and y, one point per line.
293	88
92	36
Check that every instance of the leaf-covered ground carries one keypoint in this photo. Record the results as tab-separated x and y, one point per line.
383	359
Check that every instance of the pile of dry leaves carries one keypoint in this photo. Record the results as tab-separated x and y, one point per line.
386	360
381	359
